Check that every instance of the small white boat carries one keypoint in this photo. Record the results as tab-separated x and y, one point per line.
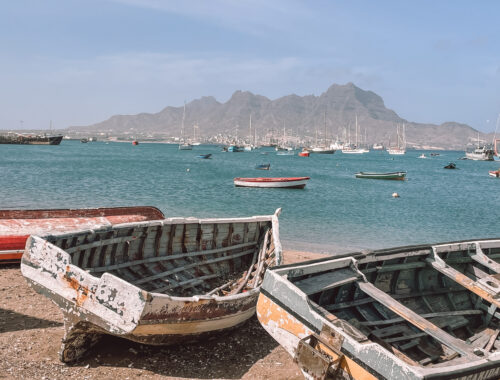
281	182
422	156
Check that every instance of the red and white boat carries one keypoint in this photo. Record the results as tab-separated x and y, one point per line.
17	225
495	173
304	153
282	182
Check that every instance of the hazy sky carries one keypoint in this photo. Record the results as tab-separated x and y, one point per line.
80	62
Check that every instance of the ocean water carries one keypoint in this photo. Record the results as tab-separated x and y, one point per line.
334	213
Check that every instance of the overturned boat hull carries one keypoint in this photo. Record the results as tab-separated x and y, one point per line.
17	225
157	282
420	312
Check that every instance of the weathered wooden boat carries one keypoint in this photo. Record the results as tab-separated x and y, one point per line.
416	312
391	176
154	282
263	167
17	225
269	182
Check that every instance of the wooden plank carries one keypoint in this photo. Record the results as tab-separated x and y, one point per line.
169	257
367	300
427	315
477	287
185	267
416	320
315	284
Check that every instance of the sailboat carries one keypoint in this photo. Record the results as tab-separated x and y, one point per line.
249	147
195	141
184	145
353	148
322	149
401	148
284	148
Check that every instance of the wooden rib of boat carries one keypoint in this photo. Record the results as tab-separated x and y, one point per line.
391	176
418	312
282	182
17	225
154	282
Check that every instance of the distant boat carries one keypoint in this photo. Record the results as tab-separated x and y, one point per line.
422	156
435	154
377	147
84	141
494	173
284	182
451	165
184	145
263	167
235	148
204	156
135	142
304	153
285	153
480	153
391	176
322	149
353	149
27	139
401	148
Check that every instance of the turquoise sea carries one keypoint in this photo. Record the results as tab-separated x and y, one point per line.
334	213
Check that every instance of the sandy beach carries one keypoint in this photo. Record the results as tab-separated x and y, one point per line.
31	328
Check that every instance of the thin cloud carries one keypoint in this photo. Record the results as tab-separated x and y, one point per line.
256	17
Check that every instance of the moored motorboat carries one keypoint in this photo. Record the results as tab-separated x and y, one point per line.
17	225
417	312
267	182
494	173
391	176
451	165
204	156
155	282
263	167
304	153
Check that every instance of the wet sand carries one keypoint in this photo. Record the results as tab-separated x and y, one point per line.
31	329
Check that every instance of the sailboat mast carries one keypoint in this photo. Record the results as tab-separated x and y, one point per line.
325	129
182	125
356	131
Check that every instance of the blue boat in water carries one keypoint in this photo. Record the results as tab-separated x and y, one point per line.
235	148
263	167
205	156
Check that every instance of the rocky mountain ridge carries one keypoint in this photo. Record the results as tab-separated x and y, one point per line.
299	115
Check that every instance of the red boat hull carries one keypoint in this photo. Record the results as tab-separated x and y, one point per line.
17	225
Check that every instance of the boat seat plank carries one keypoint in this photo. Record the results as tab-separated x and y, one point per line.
482	259
416	320
326	281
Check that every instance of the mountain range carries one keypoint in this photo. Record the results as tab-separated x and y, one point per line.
340	106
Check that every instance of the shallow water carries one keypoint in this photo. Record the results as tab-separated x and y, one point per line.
334	213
